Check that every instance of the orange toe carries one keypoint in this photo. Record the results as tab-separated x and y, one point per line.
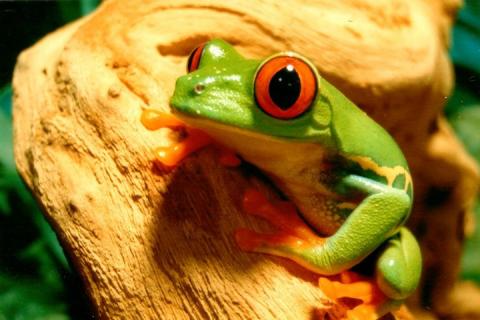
360	295
154	119
170	156
173	155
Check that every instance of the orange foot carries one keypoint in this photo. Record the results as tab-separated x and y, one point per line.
358	295
292	230
195	140
174	154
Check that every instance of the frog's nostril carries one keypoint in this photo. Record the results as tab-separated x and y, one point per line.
198	89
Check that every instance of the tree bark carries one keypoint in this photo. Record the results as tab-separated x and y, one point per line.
152	243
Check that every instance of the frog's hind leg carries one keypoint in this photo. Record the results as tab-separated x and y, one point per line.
292	237
281	214
369	225
399	265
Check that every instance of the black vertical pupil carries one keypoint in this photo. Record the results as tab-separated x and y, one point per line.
284	87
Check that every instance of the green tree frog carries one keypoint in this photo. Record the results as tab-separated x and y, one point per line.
344	173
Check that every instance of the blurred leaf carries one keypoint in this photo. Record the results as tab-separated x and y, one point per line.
29	299
72	10
4	206
463	110
9	179
6	156
5	99
87	6
466	123
38	254
463	96
50	239
466	37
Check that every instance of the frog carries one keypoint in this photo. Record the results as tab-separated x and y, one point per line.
346	176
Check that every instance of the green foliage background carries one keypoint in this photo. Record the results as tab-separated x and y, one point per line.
463	109
35	279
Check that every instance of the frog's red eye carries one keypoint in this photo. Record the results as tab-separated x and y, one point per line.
194	58
285	87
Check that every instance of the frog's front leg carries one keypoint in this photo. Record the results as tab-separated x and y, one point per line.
376	219
399	265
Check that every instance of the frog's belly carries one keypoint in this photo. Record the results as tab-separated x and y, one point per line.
309	188
324	212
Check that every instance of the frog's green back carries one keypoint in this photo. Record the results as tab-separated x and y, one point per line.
365	143
356	134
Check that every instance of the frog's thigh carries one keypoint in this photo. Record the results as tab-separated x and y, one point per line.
399	265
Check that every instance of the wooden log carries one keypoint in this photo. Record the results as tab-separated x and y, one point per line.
152	243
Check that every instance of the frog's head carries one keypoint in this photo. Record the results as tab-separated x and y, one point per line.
277	113
281	97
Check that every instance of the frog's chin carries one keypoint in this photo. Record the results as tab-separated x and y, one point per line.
234	137
272	154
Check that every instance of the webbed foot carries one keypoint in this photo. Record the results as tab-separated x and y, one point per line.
194	140
172	155
359	295
293	234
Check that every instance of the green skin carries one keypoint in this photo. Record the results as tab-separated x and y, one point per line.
344	172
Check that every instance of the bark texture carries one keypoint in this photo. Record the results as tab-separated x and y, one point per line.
155	244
